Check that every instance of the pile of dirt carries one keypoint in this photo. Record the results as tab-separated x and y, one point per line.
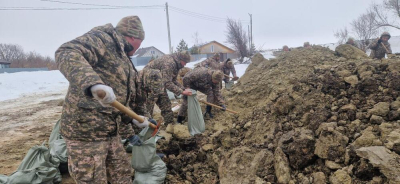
308	116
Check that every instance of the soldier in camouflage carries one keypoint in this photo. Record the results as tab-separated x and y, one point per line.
351	42
94	62
169	66
149	84
378	51
227	68
182	73
285	48
206	81
306	45
212	62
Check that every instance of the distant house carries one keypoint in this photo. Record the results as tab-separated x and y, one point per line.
143	55
4	64
213	47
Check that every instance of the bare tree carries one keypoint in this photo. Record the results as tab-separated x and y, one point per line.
365	29
236	36
197	42
11	52
342	35
381	17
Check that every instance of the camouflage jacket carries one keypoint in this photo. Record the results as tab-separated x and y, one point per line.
146	88
169	68
200	79
97	57
227	71
209	63
378	51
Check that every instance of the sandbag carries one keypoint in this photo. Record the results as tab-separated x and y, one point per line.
57	145
229	84
195	117
149	168
38	167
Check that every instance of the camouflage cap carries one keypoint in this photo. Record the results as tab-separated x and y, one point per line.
183	71
386	34
350	39
152	80
183	56
216	55
306	44
131	26
285	47
217	75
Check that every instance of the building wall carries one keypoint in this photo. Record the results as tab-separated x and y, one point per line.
153	52
140	61
207	49
4	65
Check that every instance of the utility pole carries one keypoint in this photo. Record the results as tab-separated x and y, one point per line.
169	32
251	30
248	32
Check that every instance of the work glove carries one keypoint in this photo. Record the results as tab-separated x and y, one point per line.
223	107
108	99
379	41
145	123
235	78
135	140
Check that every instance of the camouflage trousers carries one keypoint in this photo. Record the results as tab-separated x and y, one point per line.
98	162
164	103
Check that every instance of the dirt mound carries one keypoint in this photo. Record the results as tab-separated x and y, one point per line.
307	116
350	52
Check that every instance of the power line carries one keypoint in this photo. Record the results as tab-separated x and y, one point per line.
104	5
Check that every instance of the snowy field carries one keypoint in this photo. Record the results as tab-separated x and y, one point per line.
23	84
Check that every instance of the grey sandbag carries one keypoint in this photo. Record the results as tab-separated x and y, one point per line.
195	117
58	147
38	167
229	84
149	168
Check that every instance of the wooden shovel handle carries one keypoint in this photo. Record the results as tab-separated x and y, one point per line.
125	110
216	106
387	51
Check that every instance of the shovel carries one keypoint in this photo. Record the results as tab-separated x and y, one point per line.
218	107
233	78
387	51
130	113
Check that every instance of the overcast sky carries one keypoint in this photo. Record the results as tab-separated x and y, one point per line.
275	22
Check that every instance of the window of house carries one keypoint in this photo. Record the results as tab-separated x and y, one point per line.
212	48
153	52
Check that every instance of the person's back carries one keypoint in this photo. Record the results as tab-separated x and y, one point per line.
98	62
88	69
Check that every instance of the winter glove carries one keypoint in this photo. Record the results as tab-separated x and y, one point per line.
135	140
223	107
379	41
145	123
108	99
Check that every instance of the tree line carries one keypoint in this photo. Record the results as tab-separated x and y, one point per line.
18	58
369	25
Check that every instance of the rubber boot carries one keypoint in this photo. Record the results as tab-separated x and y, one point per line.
208	111
180	119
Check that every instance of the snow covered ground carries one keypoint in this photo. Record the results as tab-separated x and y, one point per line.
15	85
22	84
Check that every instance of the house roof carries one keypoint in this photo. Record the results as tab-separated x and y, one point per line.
218	44
140	52
2	61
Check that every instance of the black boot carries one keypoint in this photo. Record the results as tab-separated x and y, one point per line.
208	111
180	119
